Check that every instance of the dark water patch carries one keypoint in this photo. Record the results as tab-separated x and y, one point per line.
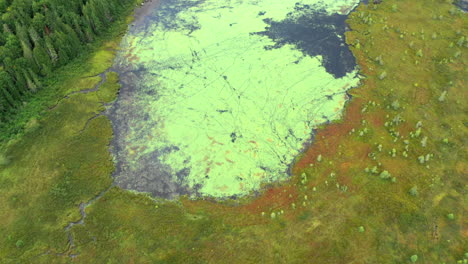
462	4
147	173
314	32
167	16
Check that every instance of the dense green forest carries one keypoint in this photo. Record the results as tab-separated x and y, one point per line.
38	36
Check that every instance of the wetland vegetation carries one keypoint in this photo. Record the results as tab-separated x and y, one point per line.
384	184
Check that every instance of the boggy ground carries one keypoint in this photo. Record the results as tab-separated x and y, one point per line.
409	205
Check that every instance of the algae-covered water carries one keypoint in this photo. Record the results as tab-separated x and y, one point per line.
219	97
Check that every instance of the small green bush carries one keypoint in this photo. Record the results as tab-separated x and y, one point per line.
382	75
19	243
4	160
385	175
413	191
419	53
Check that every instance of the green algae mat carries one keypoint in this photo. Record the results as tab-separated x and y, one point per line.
219	97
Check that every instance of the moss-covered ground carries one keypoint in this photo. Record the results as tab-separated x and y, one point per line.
387	184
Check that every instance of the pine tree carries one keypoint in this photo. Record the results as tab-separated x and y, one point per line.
6	29
77	27
51	50
8	22
3	6
7	83
27	52
43	59
9	98
89	33
3	53
31	85
38	23
73	41
34	36
63	57
35	78
3	109
16	72
22	35
13	46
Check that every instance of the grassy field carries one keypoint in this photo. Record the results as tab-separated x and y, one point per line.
387	184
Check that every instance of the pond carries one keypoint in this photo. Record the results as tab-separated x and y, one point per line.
219	97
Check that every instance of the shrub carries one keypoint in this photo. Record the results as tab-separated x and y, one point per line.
385	175
442	96
419	53
383	75
19	243
4	160
413	191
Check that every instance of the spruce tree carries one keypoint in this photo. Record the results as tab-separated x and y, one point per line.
35	78
38	23
13	46
23	35
43	59
7	83
8	98
62	57
77	27
34	36
51	50
28	55
27	52
31	85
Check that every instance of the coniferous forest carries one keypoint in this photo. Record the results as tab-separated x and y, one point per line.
38	36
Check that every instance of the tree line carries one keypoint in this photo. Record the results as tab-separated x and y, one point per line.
37	36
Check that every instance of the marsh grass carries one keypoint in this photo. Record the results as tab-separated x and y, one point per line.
58	165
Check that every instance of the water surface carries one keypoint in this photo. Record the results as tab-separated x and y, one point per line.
219	97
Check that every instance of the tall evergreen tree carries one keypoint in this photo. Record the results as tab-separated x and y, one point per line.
8	98
13	46
22	35
62	57
7	83
38	23
27	52
42	59
34	36
35	78
3	6
77	27
28	55
31	85
51	50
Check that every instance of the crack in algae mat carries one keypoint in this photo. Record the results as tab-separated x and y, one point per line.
219	97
